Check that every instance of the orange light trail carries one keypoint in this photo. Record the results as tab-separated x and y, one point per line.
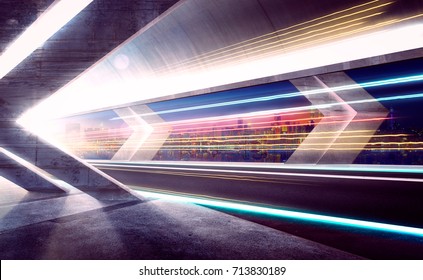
276	34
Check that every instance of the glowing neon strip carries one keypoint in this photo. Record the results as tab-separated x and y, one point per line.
189	126
208	130
277	166
276	136
386	168
228	118
393	81
324	106
356	167
268	137
51	21
293	174
261	145
288	214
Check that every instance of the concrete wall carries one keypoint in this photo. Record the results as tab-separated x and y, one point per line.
98	29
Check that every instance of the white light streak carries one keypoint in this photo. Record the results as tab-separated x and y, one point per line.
102	88
332	167
43	174
51	21
255	172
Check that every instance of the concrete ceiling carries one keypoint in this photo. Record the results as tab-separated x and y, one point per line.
93	33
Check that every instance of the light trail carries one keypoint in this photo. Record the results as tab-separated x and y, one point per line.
274	166
326	39
276	135
247	141
255	124
266	173
212	176
277	47
276	34
227	128
278	147
235	117
260	147
281	213
340	89
262	50
273	137
395	39
243	116
269	146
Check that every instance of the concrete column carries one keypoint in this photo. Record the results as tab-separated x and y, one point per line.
34	165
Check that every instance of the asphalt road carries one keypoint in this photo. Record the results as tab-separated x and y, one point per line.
387	196
390	195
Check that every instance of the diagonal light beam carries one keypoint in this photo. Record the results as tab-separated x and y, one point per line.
159	135
372	110
336	118
141	131
51	21
145	130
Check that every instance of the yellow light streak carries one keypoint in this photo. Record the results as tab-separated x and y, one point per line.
244	117
278	136
252	41
330	38
285	47
270	137
212	176
273	146
270	146
279	43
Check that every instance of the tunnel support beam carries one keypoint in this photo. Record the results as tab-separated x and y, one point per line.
35	164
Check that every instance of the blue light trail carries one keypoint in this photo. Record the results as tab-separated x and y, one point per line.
408	79
288	214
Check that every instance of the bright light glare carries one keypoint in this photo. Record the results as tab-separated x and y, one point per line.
51	21
104	87
288	214
35	121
